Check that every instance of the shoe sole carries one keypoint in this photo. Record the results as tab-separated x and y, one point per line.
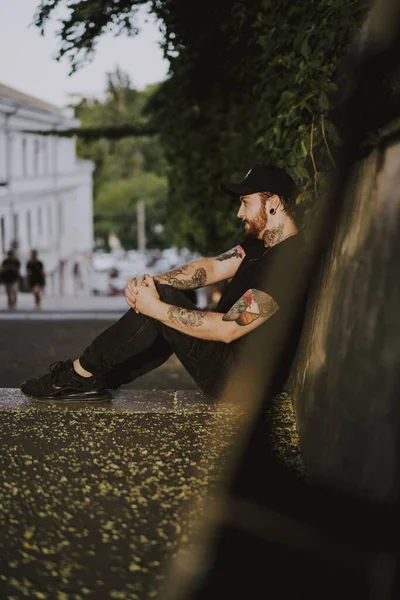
73	398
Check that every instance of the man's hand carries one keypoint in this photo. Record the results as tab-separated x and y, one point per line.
142	295
131	289
130	293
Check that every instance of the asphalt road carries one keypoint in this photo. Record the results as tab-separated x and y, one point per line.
28	347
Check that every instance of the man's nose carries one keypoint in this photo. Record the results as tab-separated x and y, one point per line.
239	213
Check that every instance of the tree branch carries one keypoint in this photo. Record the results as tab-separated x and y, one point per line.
313	160
86	22
94	133
326	141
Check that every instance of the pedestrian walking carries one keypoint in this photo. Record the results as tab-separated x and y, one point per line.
35	277
77	277
10	277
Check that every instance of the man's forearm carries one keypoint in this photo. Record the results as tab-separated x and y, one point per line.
189	277
197	323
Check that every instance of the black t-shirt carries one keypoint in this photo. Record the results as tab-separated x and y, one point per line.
274	271
10	271
255	271
34	268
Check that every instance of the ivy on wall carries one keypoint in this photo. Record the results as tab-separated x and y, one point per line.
250	82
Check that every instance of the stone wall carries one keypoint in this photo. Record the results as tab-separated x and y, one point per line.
345	381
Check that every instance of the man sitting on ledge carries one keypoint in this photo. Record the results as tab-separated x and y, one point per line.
162	321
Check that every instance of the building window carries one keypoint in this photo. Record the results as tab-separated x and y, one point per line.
29	227
10	157
3	159
60	219
2	235
15	227
52	154
49	220
36	150
24	157
40	221
45	153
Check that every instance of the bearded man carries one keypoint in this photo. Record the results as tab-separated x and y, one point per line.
162	321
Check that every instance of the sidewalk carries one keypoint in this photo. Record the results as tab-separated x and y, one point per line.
64	307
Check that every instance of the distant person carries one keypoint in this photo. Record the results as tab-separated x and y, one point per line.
35	277
77	275
10	277
113	288
209	344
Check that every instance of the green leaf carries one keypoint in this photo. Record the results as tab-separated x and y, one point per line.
286	98
277	133
305	48
324	101
331	89
301	172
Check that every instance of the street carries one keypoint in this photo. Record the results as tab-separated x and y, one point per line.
32	340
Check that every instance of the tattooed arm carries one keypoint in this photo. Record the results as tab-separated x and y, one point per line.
250	311
204	271
189	277
225	265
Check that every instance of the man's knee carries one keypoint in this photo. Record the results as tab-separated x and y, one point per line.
171	295
165	291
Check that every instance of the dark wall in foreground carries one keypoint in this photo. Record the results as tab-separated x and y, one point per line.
346	378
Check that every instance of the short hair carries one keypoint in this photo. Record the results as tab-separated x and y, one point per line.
289	204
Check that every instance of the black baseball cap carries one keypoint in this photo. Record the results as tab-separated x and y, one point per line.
263	178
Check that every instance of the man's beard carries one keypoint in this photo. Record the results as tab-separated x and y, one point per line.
255	226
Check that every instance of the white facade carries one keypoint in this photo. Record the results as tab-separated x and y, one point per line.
45	192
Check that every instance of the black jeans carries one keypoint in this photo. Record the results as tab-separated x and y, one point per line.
137	344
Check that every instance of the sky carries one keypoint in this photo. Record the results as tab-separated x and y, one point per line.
27	60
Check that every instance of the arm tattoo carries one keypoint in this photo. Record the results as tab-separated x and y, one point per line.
236	252
266	304
198	279
260	303
187	317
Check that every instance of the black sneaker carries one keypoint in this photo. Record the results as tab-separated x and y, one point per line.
63	384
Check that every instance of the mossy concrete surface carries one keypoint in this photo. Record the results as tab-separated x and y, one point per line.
93	497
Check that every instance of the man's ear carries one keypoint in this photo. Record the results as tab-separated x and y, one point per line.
272	202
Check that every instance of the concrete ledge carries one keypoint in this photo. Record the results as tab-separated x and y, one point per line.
93	499
127	400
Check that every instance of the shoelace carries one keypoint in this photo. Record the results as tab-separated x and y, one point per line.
55	369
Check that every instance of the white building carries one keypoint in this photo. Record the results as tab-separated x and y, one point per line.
45	191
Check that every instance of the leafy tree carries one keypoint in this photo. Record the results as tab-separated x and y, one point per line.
115	208
254	83
86	21
125	169
249	82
